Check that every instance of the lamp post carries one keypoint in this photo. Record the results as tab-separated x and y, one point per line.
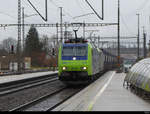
138	38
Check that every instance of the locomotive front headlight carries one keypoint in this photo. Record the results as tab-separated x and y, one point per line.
64	68
74	58
84	68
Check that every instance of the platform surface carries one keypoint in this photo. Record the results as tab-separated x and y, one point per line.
10	78
117	98
105	94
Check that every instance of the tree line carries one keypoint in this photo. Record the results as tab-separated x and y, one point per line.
39	49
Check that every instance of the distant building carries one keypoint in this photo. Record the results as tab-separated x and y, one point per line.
10	62
27	62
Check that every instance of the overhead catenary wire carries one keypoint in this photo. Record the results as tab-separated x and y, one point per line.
123	21
8	15
142	6
82	15
46	12
3	13
78	3
100	17
59	7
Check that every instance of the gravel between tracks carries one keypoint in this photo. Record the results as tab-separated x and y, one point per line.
13	100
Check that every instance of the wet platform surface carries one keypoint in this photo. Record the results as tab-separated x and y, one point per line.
11	78
106	94
117	98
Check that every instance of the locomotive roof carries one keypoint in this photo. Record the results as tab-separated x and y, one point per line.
74	44
76	40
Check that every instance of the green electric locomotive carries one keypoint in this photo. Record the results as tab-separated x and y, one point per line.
79	61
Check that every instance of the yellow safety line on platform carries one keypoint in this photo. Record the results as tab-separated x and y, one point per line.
100	92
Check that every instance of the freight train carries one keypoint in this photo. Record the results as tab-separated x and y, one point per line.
138	77
80	61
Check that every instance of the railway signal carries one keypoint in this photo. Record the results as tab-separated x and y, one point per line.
53	51
12	49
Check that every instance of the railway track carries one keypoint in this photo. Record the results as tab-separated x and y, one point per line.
29	94
49	101
16	86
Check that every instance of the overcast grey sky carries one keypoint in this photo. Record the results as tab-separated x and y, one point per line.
72	8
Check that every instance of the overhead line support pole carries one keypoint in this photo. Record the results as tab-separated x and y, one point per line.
19	36
23	38
102	9
61	29
57	32
118	33
144	43
84	30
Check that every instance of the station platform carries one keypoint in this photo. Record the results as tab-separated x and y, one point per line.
105	94
11	78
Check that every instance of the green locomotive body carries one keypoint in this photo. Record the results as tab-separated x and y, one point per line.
79	62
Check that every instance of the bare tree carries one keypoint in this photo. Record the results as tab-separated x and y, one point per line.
48	43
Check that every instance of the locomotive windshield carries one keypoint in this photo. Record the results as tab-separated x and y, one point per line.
74	51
